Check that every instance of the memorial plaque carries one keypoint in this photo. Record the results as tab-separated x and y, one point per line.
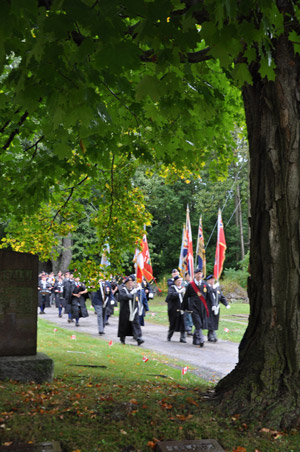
53	446
18	303
201	445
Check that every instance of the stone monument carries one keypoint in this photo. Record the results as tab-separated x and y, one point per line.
19	359
199	445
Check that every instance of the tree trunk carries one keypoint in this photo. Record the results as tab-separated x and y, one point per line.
265	382
239	223
64	260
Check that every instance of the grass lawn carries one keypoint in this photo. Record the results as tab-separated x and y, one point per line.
107	398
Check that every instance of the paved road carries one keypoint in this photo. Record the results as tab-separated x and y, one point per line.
211	362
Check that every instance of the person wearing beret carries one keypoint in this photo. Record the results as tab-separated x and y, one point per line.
129	325
170	281
217	298
197	299
175	311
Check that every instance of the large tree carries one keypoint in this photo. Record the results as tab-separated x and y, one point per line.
152	80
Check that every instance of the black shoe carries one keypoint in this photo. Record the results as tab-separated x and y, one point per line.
122	339
77	324
106	323
201	344
59	315
101	333
140	341
69	320
182	340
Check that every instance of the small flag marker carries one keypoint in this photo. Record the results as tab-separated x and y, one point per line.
184	370
226	330
110	343
145	359
55	329
153	314
73	336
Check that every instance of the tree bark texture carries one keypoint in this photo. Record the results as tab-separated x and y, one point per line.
265	383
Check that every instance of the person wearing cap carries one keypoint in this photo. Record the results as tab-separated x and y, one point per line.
197	298
170	281
129	311
217	298
188	315
175	312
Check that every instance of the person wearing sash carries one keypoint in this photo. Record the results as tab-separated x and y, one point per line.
175	311
214	314
99	302
197	299
130	310
58	291
78	306
44	288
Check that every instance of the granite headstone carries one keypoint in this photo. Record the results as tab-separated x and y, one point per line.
202	445
19	359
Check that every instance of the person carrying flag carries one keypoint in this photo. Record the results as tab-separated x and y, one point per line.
197	299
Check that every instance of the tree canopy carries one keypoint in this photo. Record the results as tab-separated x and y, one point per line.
87	85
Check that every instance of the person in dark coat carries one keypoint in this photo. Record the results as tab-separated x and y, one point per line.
129	312
170	281
143	305
99	303
197	299
214	313
67	294
58	291
175	311
44	291
78	307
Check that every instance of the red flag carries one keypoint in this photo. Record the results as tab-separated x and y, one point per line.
221	248
110	343
73	336
145	359
143	262
184	370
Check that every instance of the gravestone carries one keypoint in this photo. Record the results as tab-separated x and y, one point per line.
53	446
19	359
202	445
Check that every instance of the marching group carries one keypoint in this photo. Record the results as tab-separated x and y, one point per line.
193	305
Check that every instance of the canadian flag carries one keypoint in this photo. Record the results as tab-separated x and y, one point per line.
184	370
55	329
73	336
145	359
226	330
142	261
110	343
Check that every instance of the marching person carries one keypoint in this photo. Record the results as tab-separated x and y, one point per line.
214	314
78	307
175	311
44	288
197	299
58	291
188	315
98	302
170	281
67	294
129	311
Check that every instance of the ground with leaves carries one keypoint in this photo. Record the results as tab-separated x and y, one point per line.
117	398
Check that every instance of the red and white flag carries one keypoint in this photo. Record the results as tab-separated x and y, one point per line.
186	260
73	336
226	330
184	370
142	261
55	329
110	343
145	359
220	249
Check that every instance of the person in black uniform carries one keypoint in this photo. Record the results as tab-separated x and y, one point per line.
197	299
170	281
129	311
214	313
175	313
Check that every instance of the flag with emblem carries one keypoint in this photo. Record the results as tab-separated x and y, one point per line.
143	266
188	259
220	249
200	249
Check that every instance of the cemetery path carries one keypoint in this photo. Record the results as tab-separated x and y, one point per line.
212	362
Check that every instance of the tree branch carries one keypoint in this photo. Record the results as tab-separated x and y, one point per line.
16	131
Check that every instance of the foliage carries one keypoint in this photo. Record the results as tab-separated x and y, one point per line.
70	109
